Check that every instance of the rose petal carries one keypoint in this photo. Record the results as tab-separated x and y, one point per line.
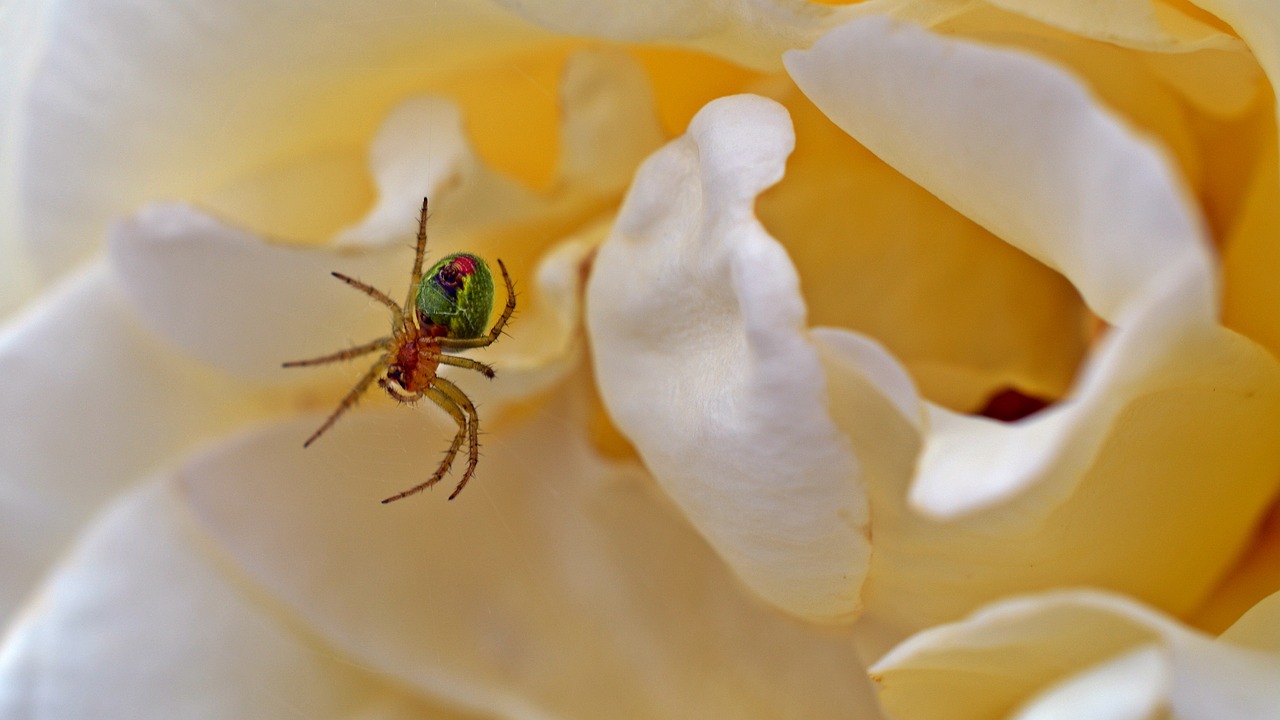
697	330
1255	576
1168	403
749	32
1130	687
165	100
420	151
1051	174
91	402
224	296
555	583
1057	648
139	589
1154	26
896	263
1063	181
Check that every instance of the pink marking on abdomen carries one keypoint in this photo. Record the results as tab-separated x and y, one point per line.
464	265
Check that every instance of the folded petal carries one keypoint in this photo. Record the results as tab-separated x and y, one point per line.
1051	173
556	584
140	622
750	32
91	402
698	334
177	100
1074	654
1168	403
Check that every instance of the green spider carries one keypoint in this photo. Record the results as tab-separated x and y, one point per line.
446	309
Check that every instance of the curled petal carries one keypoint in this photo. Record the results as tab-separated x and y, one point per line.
181	117
751	32
1073	654
420	151
1051	173
223	295
549	553
701	354
1168	402
92	402
139	587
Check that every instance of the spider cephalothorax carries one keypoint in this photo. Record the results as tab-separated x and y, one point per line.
447	309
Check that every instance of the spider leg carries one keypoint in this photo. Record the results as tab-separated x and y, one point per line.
473	429
415	277
374	293
349	353
496	330
468	363
446	402
349	400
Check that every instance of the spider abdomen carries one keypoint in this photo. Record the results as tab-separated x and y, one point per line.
457	294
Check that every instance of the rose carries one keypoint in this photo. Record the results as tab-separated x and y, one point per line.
611	524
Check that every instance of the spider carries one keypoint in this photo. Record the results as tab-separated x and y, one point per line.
446	309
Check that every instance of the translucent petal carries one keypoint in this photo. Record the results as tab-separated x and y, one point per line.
750	32
1061	654
556	583
91	402
701	354
1158	412
1150	26
129	102
139	622
1034	174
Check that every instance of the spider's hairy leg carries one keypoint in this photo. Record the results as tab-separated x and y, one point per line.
374	293
350	399
446	402
468	363
355	352
415	277
496	331
473	429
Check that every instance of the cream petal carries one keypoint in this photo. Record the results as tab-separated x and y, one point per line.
225	297
610	120
420	150
1148	26
1050	650
139	623
132	102
555	585
749	32
91	402
1168	403
1130	687
1052	173
244	306
697	331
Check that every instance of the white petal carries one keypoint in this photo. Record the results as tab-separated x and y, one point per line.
555	585
139	623
1130	687
1018	146
420	151
697	329
750	32
130	102
1077	647
226	297
1154	26
91	402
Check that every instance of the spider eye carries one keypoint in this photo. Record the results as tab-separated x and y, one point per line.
448	276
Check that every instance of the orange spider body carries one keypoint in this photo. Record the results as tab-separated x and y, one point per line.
417	360
447	310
